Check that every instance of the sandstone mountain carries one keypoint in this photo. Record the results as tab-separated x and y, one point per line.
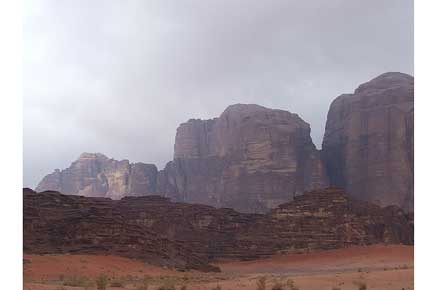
368	145
94	174
251	159
190	236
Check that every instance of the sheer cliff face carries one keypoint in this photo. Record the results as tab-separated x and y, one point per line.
368	145
93	174
250	158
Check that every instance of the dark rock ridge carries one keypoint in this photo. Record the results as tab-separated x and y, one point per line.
94	174
368	147
251	159
190	236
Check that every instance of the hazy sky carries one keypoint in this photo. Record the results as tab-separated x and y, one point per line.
118	77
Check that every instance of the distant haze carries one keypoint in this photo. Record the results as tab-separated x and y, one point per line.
118	77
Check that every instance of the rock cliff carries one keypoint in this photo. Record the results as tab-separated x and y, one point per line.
94	174
251	158
368	147
190	236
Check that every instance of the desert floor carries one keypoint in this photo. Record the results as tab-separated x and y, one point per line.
378	267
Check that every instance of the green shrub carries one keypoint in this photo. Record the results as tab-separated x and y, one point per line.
218	287
101	282
117	283
168	285
76	281
144	283
142	287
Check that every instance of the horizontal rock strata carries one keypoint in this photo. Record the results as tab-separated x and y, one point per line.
190	236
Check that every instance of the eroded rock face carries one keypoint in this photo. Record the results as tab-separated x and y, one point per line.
94	174
190	236
368	145
251	159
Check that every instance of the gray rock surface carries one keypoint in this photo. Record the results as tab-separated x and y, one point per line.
368	145
94	174
251	159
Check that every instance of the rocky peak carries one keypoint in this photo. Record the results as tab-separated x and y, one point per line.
250	158
368	145
94	174
242	110
387	81
93	156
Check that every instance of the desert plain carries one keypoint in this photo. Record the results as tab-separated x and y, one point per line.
380	267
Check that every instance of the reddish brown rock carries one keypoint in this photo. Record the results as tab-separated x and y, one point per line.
94	174
251	159
190	236
368	145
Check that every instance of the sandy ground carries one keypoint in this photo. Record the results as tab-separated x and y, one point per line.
378	267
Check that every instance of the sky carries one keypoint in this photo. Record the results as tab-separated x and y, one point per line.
118	77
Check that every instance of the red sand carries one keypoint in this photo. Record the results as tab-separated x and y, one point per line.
380	267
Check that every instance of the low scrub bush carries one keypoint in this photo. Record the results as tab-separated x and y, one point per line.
291	285
361	285
117	283
261	283
167	286
278	286
76	281
101	282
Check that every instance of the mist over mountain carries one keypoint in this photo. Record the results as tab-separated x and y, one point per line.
119	76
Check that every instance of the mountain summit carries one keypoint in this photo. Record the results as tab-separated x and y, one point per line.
253	158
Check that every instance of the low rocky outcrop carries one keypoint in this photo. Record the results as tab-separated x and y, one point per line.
251	159
94	174
368	147
191	236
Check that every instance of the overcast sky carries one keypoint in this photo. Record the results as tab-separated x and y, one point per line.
118	77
